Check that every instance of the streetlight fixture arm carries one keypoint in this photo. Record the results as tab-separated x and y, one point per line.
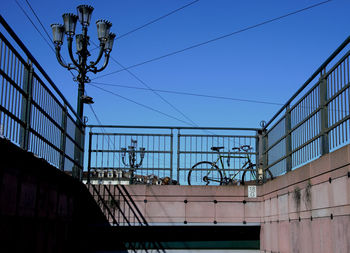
93	64
70	51
59	58
95	70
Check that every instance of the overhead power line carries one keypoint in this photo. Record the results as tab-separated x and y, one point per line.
38	19
140	104
155	20
191	94
216	39
42	26
37	29
155	92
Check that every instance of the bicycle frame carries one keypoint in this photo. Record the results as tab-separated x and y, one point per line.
222	168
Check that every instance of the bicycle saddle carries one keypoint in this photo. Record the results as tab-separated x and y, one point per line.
216	148
246	148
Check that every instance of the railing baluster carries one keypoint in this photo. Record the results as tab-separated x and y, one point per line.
63	137
324	116
26	106
288	139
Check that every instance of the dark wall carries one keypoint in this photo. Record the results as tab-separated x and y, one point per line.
43	209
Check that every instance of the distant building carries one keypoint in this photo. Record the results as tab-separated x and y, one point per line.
108	176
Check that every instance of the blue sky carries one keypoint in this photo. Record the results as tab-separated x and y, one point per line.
268	63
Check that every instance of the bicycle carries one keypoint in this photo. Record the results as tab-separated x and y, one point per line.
218	175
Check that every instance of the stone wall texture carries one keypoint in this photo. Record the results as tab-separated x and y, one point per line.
306	210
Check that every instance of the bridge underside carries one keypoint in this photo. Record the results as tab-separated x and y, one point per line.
183	237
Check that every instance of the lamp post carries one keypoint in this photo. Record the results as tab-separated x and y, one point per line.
81	64
132	150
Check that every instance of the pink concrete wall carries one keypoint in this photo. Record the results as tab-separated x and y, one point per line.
317	221
195	204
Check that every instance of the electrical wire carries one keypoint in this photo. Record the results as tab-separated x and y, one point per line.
191	94
215	39
118	63
37	29
155	20
136	77
140	104
42	26
152	21
156	93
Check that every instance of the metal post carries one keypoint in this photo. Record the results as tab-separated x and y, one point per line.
63	136
89	158
288	139
264	152
79	127
178	156
259	154
171	154
324	114
26	106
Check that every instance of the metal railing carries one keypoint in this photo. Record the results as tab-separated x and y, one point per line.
168	151
314	121
121	210
33	112
194	145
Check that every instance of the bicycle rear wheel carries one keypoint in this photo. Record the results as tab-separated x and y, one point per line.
204	173
253	175
249	174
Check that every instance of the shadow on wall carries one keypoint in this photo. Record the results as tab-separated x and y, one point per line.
42	209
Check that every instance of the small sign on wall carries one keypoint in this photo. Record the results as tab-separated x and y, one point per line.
251	191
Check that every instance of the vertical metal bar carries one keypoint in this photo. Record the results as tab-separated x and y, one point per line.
324	115
26	106
13	74
171	153
178	156
288	141
108	152
63	137
265	153
89	157
6	93
158	155
153	154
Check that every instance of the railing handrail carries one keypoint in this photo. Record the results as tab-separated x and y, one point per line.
329	59
176	127
32	59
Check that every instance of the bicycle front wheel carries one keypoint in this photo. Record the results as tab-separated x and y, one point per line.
204	173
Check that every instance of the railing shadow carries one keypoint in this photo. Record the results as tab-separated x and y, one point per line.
123	212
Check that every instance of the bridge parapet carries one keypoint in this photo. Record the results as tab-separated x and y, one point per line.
307	209
33	112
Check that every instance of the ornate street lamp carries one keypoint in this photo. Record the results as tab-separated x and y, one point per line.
133	164
81	64
82	42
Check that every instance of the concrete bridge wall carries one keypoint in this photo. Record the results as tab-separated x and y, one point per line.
306	210
43	209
